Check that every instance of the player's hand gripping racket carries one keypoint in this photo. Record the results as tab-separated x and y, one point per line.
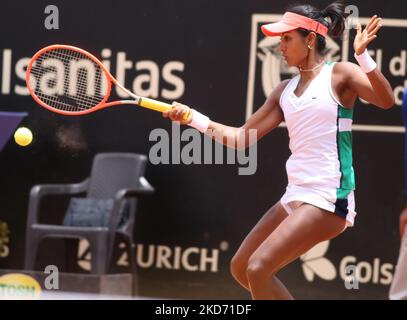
71	81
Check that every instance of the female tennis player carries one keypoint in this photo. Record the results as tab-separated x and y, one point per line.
317	107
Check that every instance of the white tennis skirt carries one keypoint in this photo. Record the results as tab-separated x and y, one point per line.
297	195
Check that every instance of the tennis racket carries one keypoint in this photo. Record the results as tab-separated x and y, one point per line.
71	81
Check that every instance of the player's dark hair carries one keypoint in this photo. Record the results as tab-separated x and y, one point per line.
336	23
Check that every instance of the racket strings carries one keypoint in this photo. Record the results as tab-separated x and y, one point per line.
68	80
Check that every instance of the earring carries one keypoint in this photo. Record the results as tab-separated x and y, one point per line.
309	47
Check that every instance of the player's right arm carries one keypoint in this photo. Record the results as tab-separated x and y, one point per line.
265	119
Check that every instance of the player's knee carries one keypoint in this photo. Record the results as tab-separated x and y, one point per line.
258	270
238	267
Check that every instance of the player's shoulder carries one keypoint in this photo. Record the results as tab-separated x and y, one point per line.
345	67
274	97
281	86
278	90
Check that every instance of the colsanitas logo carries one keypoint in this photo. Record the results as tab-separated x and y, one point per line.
152	80
315	264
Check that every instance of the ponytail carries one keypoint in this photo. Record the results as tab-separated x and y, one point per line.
335	12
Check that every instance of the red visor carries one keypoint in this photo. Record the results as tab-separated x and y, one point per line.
292	21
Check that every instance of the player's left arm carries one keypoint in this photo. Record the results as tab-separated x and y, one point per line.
370	85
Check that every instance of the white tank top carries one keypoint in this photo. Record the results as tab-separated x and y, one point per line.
320	136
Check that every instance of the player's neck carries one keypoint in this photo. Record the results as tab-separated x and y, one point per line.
311	67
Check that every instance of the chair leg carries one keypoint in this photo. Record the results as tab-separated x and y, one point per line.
132	264
133	270
98	247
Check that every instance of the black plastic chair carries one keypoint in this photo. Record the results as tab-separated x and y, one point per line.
116	176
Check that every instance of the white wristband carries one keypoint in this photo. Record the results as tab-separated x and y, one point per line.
199	121
366	62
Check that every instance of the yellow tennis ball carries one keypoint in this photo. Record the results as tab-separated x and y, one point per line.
23	136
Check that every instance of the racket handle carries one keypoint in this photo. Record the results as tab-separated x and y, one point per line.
155	105
158	106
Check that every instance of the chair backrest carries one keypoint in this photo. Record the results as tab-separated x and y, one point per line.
114	171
